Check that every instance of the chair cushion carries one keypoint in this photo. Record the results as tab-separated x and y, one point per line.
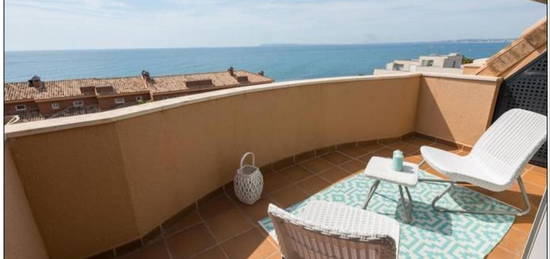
463	168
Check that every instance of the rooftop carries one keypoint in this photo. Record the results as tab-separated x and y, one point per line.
61	89
174	83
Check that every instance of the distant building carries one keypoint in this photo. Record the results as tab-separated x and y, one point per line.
37	99
450	63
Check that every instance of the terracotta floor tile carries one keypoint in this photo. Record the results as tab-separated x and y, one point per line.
190	219
213	253
313	185
534	188
230	190
500	253
288	195
289	161
325	150
249	245
385	152
316	165
191	241
295	173
155	251
445	147
267	170
407	148
257	210
539	169
333	174
354	166
534	178
304	156
238	223
273	182
414	158
366	158
523	226
418	141
214	206
514	241
355	151
335	158
428	169
369	148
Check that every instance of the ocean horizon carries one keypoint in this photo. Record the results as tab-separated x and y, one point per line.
282	62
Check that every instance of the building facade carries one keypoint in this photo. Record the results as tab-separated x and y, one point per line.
450	63
37	99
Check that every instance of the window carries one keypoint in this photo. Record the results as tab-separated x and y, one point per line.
119	100
78	103
139	98
398	67
20	107
55	106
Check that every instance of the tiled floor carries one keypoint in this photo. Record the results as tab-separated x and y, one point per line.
222	227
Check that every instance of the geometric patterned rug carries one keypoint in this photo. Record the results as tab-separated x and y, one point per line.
430	234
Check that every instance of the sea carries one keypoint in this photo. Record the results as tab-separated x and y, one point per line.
280	62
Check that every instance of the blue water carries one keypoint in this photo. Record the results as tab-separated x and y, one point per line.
279	62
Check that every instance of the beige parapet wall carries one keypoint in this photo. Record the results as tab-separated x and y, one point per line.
23	239
100	180
455	109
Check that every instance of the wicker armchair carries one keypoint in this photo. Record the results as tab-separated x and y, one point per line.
332	230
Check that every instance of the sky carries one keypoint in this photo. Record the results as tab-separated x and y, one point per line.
123	24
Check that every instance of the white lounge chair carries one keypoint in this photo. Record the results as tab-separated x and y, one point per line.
332	230
496	159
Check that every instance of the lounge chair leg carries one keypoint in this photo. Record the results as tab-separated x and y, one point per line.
524	195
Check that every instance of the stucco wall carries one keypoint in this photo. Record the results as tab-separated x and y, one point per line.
106	103
456	110
46	107
22	238
9	108
76	186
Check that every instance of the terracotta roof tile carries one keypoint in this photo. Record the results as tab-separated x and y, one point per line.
21	91
172	83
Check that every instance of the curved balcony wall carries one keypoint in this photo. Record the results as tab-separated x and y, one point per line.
100	180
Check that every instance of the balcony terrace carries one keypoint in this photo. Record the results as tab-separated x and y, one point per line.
154	180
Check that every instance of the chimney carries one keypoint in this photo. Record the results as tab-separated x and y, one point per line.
145	76
35	82
231	71
261	73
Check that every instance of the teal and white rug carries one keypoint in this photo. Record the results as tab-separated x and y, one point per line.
431	234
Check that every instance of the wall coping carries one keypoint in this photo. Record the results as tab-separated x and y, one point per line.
62	123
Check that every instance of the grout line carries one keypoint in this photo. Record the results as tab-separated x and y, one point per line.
505	249
165	243
255	224
216	243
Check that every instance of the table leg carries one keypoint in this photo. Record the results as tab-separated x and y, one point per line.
371	193
407	204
